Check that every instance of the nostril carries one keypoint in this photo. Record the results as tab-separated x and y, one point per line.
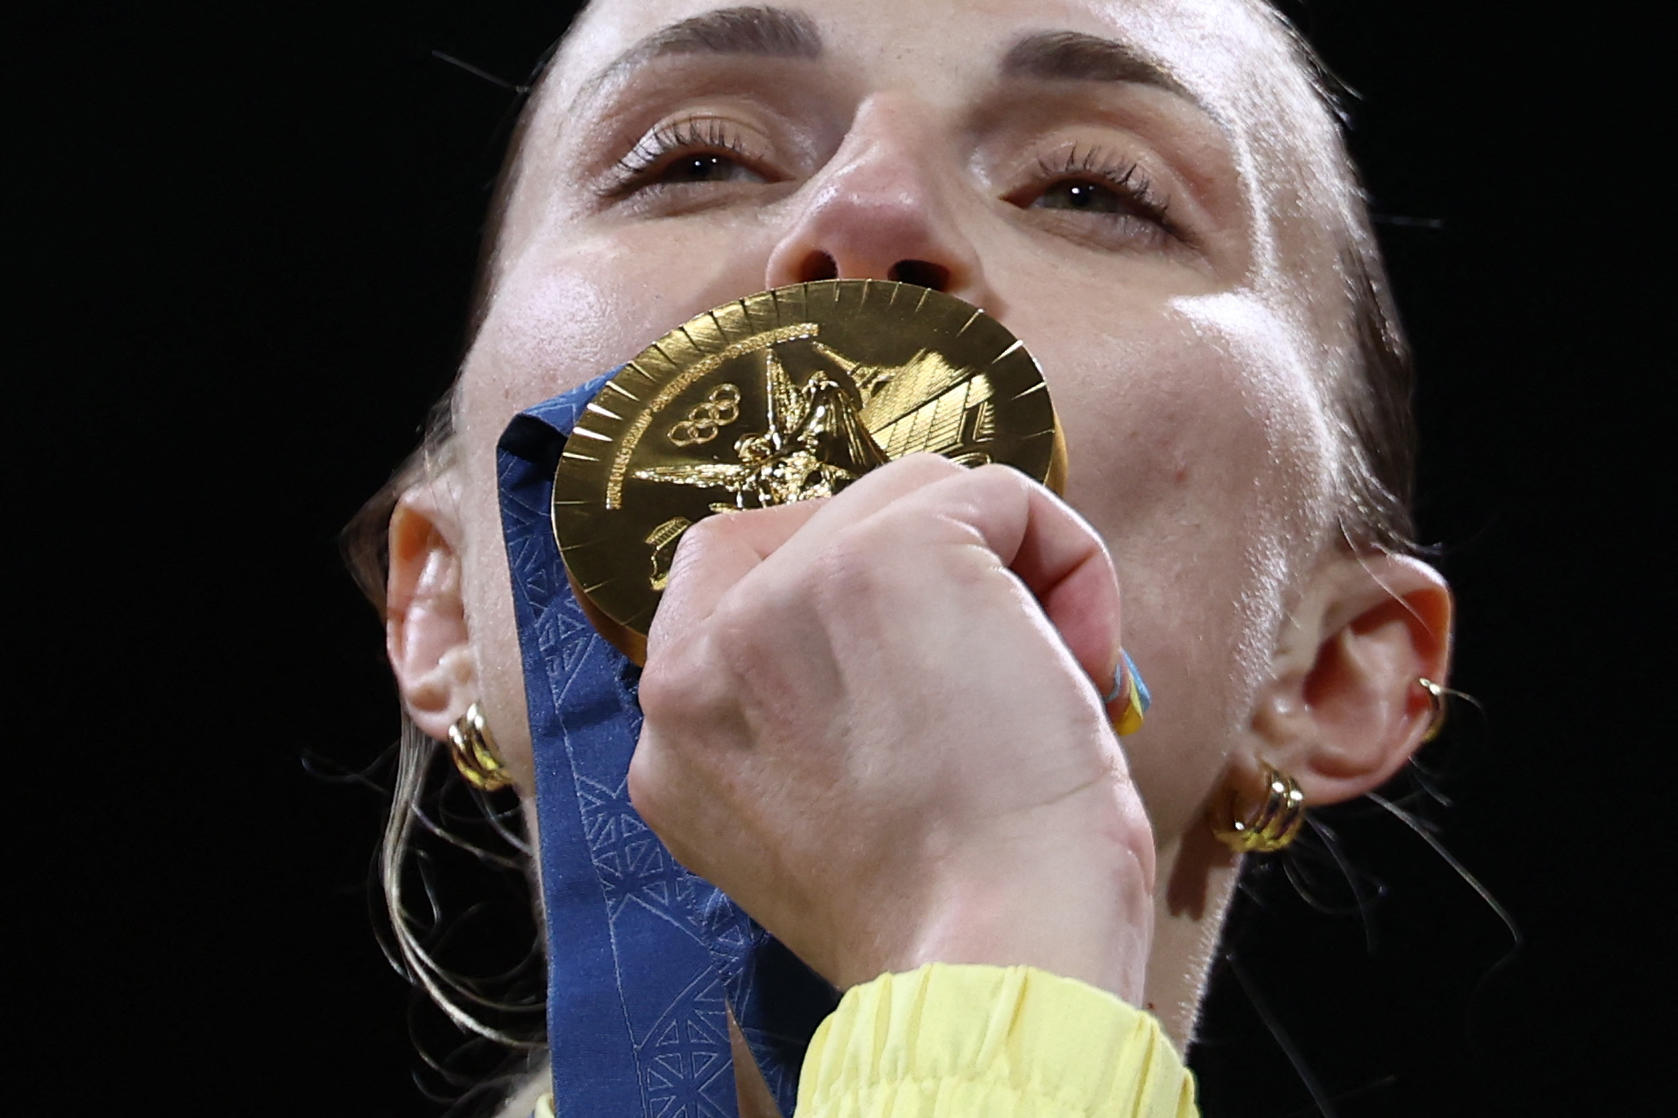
921	274
818	266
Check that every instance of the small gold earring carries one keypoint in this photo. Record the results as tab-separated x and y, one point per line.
1436	693
1273	825
473	751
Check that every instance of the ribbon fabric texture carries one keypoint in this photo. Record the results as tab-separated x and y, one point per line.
644	958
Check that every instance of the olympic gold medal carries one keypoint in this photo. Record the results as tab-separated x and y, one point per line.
783	396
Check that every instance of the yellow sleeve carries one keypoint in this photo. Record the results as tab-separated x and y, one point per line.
949	1041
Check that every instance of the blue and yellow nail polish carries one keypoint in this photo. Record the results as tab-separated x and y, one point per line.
1128	683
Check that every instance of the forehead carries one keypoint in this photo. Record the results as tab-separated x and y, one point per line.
1223	52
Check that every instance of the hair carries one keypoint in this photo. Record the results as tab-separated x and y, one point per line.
1373	405
505	1009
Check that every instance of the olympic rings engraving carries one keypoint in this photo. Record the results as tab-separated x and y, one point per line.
706	420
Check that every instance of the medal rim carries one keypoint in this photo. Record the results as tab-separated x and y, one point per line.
623	633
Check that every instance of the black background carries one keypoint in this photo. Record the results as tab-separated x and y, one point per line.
241	254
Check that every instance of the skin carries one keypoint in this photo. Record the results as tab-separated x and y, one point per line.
916	665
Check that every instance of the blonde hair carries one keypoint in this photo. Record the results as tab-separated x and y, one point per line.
507	1009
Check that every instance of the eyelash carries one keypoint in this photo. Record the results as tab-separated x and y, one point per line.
1140	219
639	171
654	154
1124	179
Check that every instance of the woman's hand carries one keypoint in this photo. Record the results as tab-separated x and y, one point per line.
874	722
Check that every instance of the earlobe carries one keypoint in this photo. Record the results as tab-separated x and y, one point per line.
425	621
1345	709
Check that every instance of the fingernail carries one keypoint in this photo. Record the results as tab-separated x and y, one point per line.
1143	697
1129	685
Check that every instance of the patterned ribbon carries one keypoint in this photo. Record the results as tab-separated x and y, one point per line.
644	958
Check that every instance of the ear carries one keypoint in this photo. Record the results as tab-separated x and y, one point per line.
1344	710
425	616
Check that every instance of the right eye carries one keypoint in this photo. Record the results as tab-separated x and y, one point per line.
707	167
687	153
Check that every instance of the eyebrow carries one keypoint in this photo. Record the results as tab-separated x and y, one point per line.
760	30
773	32
1075	56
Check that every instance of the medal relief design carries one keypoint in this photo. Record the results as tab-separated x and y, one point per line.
784	396
819	435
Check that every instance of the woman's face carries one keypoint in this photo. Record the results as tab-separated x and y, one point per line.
1130	187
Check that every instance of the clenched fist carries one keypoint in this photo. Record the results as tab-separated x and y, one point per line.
876	722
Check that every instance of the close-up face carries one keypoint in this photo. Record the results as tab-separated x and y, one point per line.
1134	189
1144	747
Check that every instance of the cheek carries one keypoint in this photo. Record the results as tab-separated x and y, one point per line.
569	308
1198	449
1186	416
563	313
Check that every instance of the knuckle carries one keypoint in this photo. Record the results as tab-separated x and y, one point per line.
673	690
848	574
940	467
747	635
646	791
655	796
994	487
997	473
935	464
993	477
743	623
661	691
926	467
702	538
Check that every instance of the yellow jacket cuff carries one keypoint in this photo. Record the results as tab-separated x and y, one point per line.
958	1041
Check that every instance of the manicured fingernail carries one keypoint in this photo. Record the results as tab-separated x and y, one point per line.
1128	684
1121	682
1143	698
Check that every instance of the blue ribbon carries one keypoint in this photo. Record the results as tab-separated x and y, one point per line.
644	958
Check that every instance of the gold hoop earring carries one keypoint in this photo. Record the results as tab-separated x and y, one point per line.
473	751
1436	693
1273	825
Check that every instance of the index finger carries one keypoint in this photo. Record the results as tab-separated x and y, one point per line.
719	551
712	557
1059	557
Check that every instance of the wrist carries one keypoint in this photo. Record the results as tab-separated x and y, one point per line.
1063	915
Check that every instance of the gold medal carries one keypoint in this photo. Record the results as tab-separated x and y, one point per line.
782	396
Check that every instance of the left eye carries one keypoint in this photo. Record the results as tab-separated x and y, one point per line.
707	167
1097	200
1083	196
692	153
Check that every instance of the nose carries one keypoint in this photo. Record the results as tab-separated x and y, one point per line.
882	208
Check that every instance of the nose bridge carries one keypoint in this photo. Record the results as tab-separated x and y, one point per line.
883	207
887	154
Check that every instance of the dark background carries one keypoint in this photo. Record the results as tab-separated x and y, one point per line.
243	245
